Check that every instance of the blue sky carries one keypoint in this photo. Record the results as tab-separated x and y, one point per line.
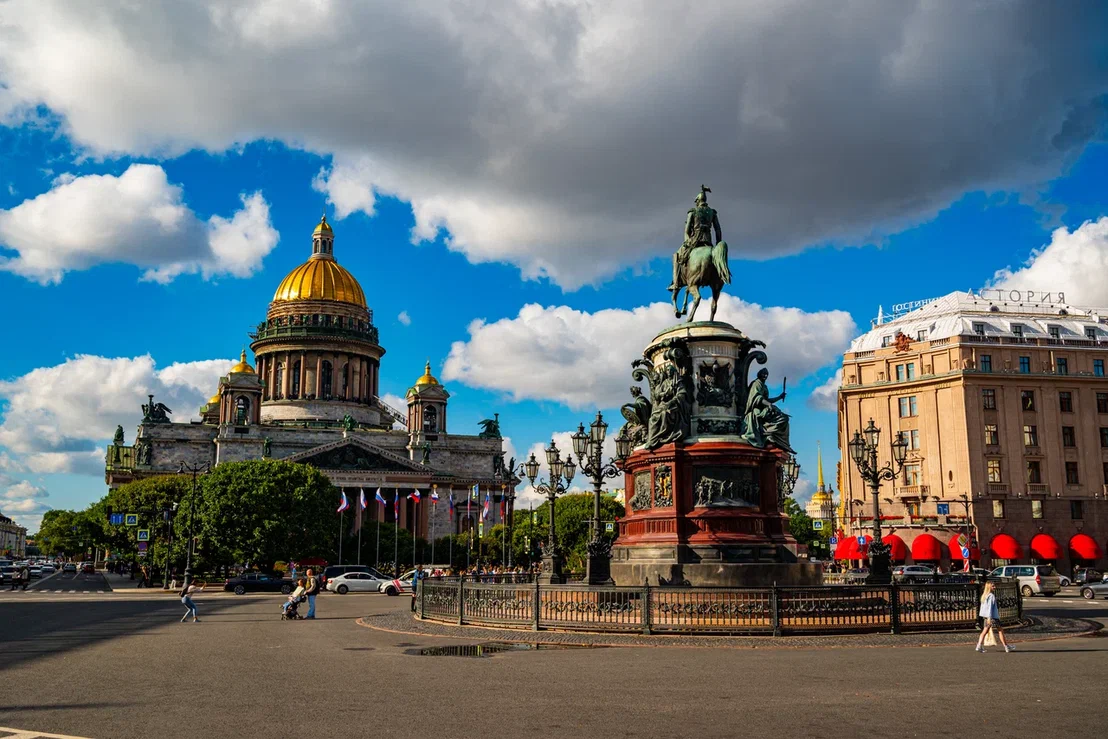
146	216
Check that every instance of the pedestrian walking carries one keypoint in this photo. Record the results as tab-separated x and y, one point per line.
186	601
415	584
311	590
990	614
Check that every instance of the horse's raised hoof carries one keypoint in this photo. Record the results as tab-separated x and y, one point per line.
677	313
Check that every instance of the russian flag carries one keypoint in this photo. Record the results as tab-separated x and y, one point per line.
450	502
361	499
380	498
503	509
396	506
485	511
343	505
434	495
415	495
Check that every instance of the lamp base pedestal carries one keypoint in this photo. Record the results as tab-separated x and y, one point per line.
552	570
880	572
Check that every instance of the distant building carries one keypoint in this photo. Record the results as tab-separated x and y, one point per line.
13	538
1003	400
313	398
822	506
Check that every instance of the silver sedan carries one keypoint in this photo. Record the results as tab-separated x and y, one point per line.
1095	590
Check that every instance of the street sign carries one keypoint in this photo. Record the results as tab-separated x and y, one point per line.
943	509
861	540
609	528
131	519
142	554
142	546
144	534
116	519
817	525
962	540
965	553
833	541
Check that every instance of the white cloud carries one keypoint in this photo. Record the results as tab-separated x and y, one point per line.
584	359
803	491
137	218
1074	262
568	137
404	318
23	503
826	396
398	404
58	419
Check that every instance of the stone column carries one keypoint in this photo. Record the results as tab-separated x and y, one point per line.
344	360
319	376
271	370
285	377
303	373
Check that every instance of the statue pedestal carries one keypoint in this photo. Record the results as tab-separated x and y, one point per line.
704	507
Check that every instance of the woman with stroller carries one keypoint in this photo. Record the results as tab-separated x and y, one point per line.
289	608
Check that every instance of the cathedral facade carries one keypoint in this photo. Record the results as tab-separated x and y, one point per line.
313	398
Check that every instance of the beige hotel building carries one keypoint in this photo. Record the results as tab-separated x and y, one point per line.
1003	399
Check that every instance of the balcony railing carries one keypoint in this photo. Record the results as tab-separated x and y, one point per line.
1038	488
913	491
1000	488
287	332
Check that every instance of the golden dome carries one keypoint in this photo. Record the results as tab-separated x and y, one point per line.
822	494
214	400
243	365
320	278
428	378
323	227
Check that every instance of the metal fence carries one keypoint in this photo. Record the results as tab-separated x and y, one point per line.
774	610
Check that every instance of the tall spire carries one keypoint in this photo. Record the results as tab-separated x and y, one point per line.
819	464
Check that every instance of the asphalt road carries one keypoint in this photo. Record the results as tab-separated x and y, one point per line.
121	665
70	582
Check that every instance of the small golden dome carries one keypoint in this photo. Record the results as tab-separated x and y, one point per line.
323	227
243	365
214	400
428	378
320	278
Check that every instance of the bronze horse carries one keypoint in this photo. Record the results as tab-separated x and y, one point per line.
706	266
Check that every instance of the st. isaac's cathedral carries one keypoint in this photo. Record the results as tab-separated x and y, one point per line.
313	398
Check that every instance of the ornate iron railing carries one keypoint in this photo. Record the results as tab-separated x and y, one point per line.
774	610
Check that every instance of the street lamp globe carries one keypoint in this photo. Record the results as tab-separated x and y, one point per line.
531	468
551	455
580	441
900	448
623	446
599	430
792	470
872	434
556	468
570	469
857	447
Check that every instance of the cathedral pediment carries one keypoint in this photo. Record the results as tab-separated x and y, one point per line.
354	454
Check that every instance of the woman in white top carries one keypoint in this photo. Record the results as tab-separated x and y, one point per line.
186	601
990	614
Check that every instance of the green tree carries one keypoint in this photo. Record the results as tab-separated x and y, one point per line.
56	534
571	526
262	512
157	503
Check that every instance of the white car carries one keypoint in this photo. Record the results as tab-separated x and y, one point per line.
48	569
357	582
69	567
1033	579
402	584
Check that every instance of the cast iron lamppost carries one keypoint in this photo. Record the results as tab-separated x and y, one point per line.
863	450
509	478
589	450
561	475
168	518
194	471
788	472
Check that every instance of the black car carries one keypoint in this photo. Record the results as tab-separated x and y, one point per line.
258	582
1086	576
336	570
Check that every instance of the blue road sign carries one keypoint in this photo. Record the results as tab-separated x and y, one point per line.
117	519
131	519
609	527
861	540
965	553
144	534
944	509
833	541
817	525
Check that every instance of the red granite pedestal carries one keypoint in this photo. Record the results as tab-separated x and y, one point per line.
706	514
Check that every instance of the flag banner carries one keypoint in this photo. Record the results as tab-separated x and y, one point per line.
361	499
380	498
434	495
475	492
361	507
503	509
415	495
450	502
343	504
485	509
396	508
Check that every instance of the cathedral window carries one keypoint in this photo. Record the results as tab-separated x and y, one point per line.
345	379
242	411
295	392
279	383
326	381
430	419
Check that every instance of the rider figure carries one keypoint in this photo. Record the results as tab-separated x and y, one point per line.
699	225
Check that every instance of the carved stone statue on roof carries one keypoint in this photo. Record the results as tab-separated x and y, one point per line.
155	412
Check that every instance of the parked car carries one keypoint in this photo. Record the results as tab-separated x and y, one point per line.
7	574
1094	590
1033	579
336	570
88	568
357	582
69	567
258	582
36	571
913	573
48	569
1087	575
402	584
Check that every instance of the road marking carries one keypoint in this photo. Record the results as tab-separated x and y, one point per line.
28	734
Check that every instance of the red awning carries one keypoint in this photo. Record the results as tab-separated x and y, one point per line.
927	548
898	550
1004	546
956	550
1045	546
848	548
1085	547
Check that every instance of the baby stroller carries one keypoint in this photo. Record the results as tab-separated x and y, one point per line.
290	612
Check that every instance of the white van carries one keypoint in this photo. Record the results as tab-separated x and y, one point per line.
1033	579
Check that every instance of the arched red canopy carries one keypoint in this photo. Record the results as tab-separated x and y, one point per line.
848	548
927	548
1085	547
898	550
1045	546
956	550
1004	546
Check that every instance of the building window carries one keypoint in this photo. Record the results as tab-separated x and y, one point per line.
1030	435
1104	469
886	341
998	509
994	470
913	510
900	373
1034	472
1061	366
921	335
1103	436
1102	402
1017	329
1065	401
992	436
911	367
979	329
908	406
295	392
1077	509
1098	367
345	379
1071	474
1025	365
1054	331
911	474
986	362
430	419
242	411
912	437
326	384
1027	400
988	399
1036	509
1069	439
1090	333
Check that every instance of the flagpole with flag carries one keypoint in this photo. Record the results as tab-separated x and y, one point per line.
396	534
450	503
434	509
469	538
503	530
361	510
380	514
415	497
343	505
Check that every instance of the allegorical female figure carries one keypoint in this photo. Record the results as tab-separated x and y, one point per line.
764	423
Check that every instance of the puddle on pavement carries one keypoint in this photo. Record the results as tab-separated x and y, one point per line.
488	649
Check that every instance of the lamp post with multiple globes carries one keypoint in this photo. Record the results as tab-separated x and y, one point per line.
561	475
863	450
588	446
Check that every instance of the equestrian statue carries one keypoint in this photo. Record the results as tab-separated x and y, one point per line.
701	261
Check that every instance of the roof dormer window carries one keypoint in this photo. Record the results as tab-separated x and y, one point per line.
979	329
1017	329
1054	331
